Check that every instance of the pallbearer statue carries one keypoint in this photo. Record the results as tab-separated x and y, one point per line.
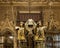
40	37
30	25
21	36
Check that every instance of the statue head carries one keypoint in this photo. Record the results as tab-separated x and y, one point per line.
30	24
21	24
39	23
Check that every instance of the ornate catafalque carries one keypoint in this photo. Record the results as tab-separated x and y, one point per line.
31	36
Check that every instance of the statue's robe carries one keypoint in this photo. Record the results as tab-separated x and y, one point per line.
30	40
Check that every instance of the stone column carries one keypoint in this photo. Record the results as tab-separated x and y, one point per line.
15	40
40	44
2	42
23	44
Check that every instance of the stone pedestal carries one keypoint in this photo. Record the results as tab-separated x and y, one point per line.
22	44
39	44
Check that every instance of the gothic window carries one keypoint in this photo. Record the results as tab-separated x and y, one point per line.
56	38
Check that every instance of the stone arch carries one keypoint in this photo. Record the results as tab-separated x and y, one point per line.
7	33
7	30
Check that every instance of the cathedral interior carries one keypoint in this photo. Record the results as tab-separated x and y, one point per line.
29	23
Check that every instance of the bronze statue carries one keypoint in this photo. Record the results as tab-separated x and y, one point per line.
40	32
30	26
21	35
